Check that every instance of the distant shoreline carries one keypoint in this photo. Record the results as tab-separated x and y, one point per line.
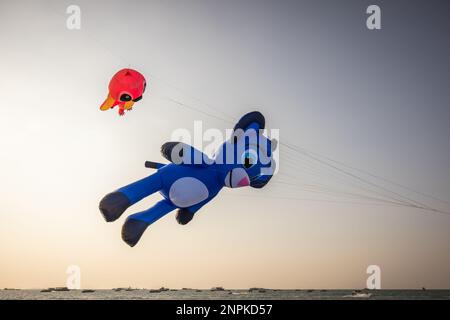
219	289
219	293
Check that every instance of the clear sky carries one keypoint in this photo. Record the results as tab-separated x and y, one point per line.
377	100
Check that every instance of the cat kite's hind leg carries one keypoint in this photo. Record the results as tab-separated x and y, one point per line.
137	223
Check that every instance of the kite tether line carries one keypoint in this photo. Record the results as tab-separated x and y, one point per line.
376	192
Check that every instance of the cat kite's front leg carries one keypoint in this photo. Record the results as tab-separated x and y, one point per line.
115	203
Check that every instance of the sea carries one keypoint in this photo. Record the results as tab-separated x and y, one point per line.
226	294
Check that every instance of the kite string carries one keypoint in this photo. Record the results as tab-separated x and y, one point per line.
353	175
405	201
309	199
344	183
383	179
326	190
353	183
292	147
412	203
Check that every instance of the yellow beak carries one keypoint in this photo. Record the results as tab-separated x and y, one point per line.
108	103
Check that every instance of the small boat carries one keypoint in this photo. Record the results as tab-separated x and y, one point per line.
87	291
256	289
154	290
217	289
360	294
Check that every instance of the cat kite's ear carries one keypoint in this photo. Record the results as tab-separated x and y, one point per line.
182	153
253	120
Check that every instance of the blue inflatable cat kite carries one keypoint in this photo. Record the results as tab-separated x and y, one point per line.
192	179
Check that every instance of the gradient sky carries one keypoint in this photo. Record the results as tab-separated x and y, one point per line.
377	100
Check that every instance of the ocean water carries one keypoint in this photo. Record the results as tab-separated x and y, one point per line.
229	294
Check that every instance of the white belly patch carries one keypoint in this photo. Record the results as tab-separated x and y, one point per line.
186	192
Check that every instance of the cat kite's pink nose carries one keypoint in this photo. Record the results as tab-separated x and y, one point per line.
244	182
